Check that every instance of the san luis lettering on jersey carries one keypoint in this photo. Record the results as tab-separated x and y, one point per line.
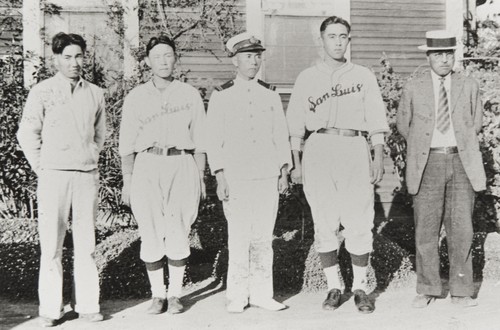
336	91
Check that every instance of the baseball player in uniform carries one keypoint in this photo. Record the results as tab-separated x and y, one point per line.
163	159
249	153
337	100
61	133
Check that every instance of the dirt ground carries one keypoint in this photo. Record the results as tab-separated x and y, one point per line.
206	310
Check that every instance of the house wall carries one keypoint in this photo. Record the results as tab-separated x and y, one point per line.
10	25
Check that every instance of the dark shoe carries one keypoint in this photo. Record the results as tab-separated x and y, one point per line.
91	317
175	305
422	301
47	322
157	306
363	303
464	301
332	301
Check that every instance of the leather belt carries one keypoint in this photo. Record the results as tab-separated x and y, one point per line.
169	152
444	150
339	131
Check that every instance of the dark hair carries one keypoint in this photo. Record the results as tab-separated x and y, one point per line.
62	40
162	39
334	20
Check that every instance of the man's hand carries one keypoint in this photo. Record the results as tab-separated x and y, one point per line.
377	166
283	181
127	179
222	186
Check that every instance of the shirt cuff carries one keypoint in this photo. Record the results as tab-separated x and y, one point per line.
377	138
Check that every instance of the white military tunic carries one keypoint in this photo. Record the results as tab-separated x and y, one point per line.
248	140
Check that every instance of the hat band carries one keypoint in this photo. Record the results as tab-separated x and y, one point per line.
439	43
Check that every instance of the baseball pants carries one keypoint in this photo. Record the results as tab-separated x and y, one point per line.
251	214
336	174
58	193
165	194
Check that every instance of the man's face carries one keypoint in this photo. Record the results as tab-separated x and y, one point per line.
161	60
335	40
441	61
70	61
247	64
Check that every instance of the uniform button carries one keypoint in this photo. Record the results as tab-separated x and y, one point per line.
254	141
427	134
251	116
424	153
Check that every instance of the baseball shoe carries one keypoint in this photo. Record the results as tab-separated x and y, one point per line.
157	306
464	301
47	322
332	301
91	317
236	306
363	303
175	306
268	304
422	301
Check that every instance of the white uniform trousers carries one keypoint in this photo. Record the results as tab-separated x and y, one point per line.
58	193
251	214
336	172
164	195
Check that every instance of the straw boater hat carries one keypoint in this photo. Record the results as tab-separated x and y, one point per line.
439	40
244	42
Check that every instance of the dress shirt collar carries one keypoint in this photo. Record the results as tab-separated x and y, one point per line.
67	82
436	77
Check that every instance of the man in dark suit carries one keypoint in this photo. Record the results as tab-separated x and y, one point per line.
440	115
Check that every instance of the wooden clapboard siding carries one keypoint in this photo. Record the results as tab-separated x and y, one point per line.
206	63
394	28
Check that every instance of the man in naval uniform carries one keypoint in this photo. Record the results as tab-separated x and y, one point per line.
249	153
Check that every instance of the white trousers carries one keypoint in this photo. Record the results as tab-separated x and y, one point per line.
58	193
336	172
251	214
165	194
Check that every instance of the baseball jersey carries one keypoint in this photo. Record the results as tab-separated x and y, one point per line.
174	117
347	97
248	131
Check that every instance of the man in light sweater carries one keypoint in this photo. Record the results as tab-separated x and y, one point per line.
337	100
61	133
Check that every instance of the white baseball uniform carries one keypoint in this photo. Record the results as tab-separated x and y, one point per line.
248	140
336	168
165	190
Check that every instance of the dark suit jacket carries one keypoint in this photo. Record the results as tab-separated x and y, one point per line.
415	121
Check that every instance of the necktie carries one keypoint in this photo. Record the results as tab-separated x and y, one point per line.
443	116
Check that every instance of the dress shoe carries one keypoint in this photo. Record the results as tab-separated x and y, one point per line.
157	306
332	301
47	322
236	306
175	306
363	303
422	301
464	301
91	317
268	304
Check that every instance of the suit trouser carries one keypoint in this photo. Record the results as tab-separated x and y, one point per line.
58	193
251	214
445	197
